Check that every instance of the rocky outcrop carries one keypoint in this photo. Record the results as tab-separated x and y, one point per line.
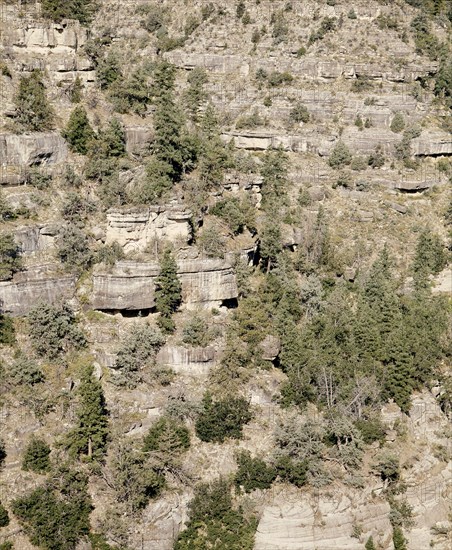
127	286
195	361
432	144
32	149
207	282
443	282
36	238
137	138
39	284
130	285
135	228
302	521
36	36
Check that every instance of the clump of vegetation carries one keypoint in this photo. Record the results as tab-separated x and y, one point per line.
237	213
221	419
24	371
212	242
82	10
137	353
56	515
78	131
4	516
36	457
299	113
7	331
73	249
54	330
90	435
253	473
397	123
327	25
215	522
33	111
253	120
10	259
340	156
196	332
168	293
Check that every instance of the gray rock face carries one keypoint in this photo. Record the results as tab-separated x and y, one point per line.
32	149
130	285
35	238
64	37
324	521
135	228
127	286
40	284
187	360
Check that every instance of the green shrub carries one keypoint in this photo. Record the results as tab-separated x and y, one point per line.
54	330
276	78
196	332
222	419
73	249
167	439
340	156
56	515
108	70
327	25
2	452
83	10
39	179
253	473
36	457
131	94
397	123
214	523
7	332
7	545
33	111
137	352
25	371
4	516
10	260
388	467
78	131
254	120
211	242
76	208
292	470
134	479
371	429
299	113
109	254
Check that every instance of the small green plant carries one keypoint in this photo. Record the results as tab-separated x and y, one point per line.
36	457
340	156
221	419
4	516
397	123
10	259
253	473
299	113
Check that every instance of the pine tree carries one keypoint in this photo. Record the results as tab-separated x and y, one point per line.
4	516
370	544
168	294
78	131
270	243
274	172
91	434
33	111
36	457
399	539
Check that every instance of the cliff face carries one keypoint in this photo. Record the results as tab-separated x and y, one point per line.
295	78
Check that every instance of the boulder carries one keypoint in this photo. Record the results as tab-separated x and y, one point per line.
270	346
39	284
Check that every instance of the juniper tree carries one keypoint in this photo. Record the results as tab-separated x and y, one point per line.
91	433
78	131
10	260
168	293
36	456
4	516
33	111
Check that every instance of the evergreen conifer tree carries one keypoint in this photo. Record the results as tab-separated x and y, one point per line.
78	131
168	294
90	436
33	111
